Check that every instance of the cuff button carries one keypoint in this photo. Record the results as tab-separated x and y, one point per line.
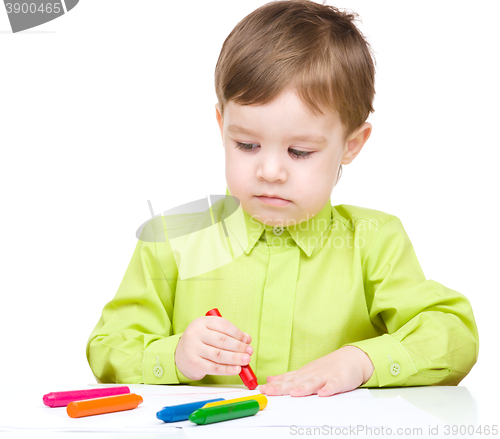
395	369
158	371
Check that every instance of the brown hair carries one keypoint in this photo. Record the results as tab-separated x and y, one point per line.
315	48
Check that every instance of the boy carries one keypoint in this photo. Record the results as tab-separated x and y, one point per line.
330	297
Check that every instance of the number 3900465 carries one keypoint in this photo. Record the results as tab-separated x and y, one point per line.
32	8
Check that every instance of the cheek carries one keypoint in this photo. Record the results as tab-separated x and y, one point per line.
234	164
313	182
326	169
310	175
237	171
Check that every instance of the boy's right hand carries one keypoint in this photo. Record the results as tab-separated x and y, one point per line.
212	346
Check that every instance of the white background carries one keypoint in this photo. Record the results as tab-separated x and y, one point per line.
112	105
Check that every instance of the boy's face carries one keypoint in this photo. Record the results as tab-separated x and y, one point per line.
276	162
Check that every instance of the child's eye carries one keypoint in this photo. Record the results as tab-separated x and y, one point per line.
294	152
245	146
300	154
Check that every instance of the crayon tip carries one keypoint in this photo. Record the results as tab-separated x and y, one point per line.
198	417
48	399
165	414
252	384
72	410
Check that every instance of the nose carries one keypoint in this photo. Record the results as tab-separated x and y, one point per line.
271	168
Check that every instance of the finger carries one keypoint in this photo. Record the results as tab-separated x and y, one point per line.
222	369
333	386
281	387
223	326
223	341
205	367
283	376
272	389
276	387
272	378
309	386
222	356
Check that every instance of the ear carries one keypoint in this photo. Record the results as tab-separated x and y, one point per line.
355	142
219	118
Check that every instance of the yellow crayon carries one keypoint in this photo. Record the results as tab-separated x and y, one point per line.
260	398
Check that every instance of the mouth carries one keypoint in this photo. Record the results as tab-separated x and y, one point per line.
271	196
273	200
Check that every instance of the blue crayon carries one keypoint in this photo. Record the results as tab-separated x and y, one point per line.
181	412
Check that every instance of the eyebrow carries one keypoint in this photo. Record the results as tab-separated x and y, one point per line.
301	138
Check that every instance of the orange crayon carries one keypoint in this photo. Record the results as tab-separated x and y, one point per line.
108	404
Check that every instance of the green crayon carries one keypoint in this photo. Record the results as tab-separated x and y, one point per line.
225	412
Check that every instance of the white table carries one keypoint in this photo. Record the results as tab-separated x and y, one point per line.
415	411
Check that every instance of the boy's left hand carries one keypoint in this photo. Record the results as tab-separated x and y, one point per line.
341	371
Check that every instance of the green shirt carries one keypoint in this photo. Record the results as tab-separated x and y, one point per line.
347	276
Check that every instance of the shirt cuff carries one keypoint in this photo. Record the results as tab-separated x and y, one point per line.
182	378
393	365
158	364
372	382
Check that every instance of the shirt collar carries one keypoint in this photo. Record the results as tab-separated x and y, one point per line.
306	234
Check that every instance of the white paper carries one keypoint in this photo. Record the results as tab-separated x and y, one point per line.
22	411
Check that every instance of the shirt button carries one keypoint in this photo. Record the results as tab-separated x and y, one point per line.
158	371
395	369
278	230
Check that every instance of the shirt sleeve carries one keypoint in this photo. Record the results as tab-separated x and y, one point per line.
428	332
133	340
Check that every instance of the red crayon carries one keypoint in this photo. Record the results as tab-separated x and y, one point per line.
247	376
62	399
